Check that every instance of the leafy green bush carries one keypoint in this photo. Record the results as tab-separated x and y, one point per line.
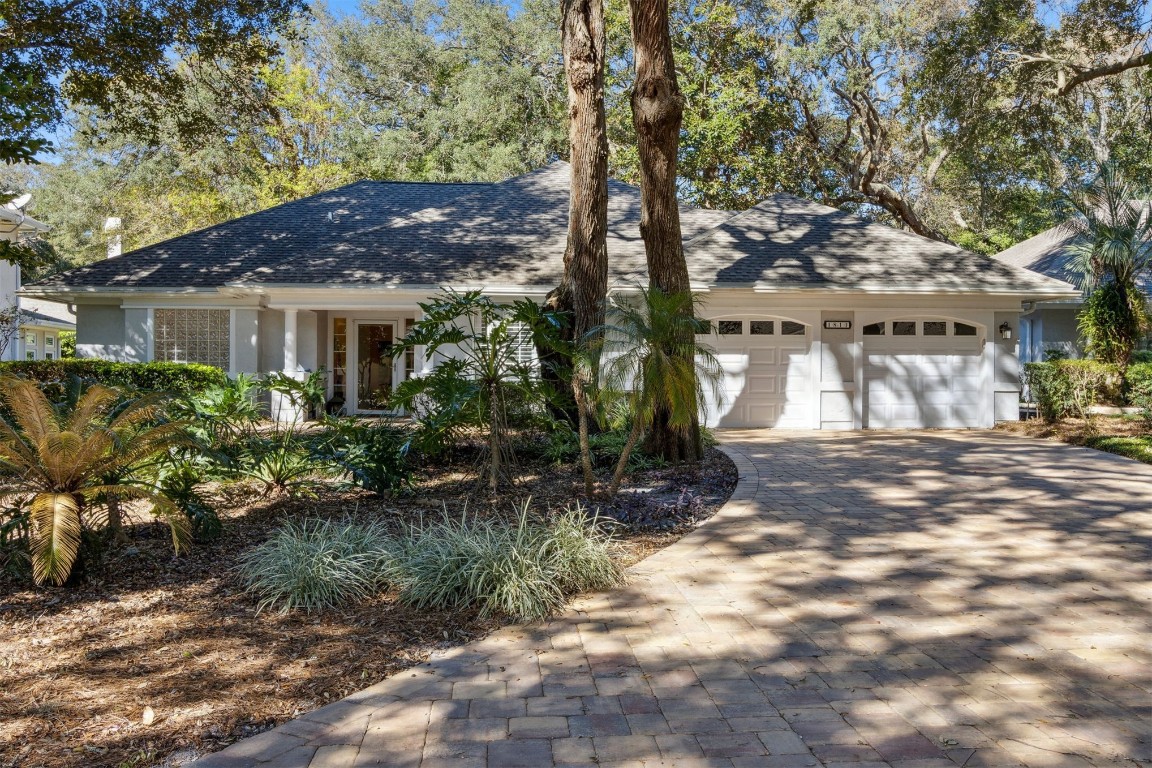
53	376
1139	383
374	455
223	414
1063	388
282	465
522	570
317	564
179	479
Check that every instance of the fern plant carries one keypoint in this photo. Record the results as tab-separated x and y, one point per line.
63	456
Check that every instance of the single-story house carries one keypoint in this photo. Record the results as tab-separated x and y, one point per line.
36	336
820	319
1051	326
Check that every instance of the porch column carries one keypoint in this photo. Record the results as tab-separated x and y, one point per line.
282	408
290	342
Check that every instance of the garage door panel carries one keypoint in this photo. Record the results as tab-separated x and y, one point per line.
767	382
917	381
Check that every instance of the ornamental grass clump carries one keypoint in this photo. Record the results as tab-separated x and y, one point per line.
318	564
522	570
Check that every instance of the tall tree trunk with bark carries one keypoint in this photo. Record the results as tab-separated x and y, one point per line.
584	287
657	113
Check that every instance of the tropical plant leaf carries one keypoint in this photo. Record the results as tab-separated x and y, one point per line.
31	410
55	536
92	405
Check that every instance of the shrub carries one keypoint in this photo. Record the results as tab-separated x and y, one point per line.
281	465
53	376
374	455
1062	388
522	570
221	414
1139	383
317	564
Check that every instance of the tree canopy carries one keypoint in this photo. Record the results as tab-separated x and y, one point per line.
958	119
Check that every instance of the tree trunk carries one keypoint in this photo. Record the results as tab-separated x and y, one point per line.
657	113
622	462
578	390
584	286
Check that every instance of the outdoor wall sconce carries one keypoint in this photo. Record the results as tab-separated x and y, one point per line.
1005	331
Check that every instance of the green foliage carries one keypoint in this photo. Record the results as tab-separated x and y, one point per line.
1114	253
307	395
223	414
317	564
179	481
1138	378
1112	319
54	376
1068	388
124	60
487	380
282	465
67	344
656	364
374	455
522	570
64	457
1138	447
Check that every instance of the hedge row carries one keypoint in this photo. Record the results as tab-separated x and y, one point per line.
177	378
1062	388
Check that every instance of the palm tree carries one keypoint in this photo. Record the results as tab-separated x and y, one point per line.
64	458
1113	251
653	359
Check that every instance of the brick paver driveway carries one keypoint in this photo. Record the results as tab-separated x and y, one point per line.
905	599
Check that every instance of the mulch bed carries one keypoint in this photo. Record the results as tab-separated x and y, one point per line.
1124	435
154	659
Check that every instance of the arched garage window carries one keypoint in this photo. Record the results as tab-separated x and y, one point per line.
191	336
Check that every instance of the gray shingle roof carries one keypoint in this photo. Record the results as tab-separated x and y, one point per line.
787	241
513	233
214	256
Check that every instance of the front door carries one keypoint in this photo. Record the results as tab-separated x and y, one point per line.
375	368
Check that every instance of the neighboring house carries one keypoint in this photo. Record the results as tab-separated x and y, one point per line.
40	322
1050	326
821	320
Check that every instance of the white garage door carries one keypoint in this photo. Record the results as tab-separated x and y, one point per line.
922	373
766	374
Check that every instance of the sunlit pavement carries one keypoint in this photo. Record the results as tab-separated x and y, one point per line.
867	599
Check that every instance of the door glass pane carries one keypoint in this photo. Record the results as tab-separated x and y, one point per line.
373	366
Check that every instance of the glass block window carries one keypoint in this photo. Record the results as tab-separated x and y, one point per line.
790	328
904	328
762	327
192	336
963	329
730	327
874	329
935	328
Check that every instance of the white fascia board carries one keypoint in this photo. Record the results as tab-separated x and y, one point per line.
1021	294
23	222
322	297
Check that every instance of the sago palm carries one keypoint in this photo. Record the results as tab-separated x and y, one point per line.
63	458
652	356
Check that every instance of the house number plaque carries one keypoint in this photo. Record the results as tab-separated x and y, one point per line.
837	325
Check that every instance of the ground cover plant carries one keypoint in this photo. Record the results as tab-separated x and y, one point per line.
184	636
1127	435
